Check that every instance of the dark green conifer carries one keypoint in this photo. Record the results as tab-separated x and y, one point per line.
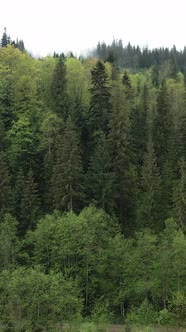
163	127
100	178
179	196
29	205
5	187
68	172
58	88
5	40
100	105
148	212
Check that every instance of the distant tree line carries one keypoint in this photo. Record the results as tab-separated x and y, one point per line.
6	40
137	58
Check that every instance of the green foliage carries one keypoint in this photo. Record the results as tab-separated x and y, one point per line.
22	144
102	313
166	318
143	315
30	298
177	307
75	132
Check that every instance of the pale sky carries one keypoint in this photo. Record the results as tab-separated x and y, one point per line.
75	25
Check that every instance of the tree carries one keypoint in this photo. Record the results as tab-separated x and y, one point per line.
75	245
118	142
163	127
139	128
5	187
171	265
67	178
5	40
9	242
148	212
22	143
100	178
58	88
179	196
32	300
100	105
50	131
29	205
128	86
7	95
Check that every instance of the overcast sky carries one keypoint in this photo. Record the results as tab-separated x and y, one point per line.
62	25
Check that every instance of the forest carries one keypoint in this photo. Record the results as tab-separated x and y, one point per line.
92	187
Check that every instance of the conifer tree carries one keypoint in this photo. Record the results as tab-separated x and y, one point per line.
7	97
128	86
139	129
100	105
68	171
29	205
163	127
9	242
58	88
179	196
118	140
5	187
148	212
5	40
100	178
18	193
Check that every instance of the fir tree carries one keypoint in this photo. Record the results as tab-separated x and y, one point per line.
139	129
100	105
5	40
5	187
100	178
179	196
58	88
18	193
68	172
148	212
118	140
163	127
29	205
126	82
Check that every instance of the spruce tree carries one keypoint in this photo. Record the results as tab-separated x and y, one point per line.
118	140
5	40
58	88
68	172
5	187
100	105
148	212
139	129
100	178
128	86
29	205
19	180
163	127
163	138
179	196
